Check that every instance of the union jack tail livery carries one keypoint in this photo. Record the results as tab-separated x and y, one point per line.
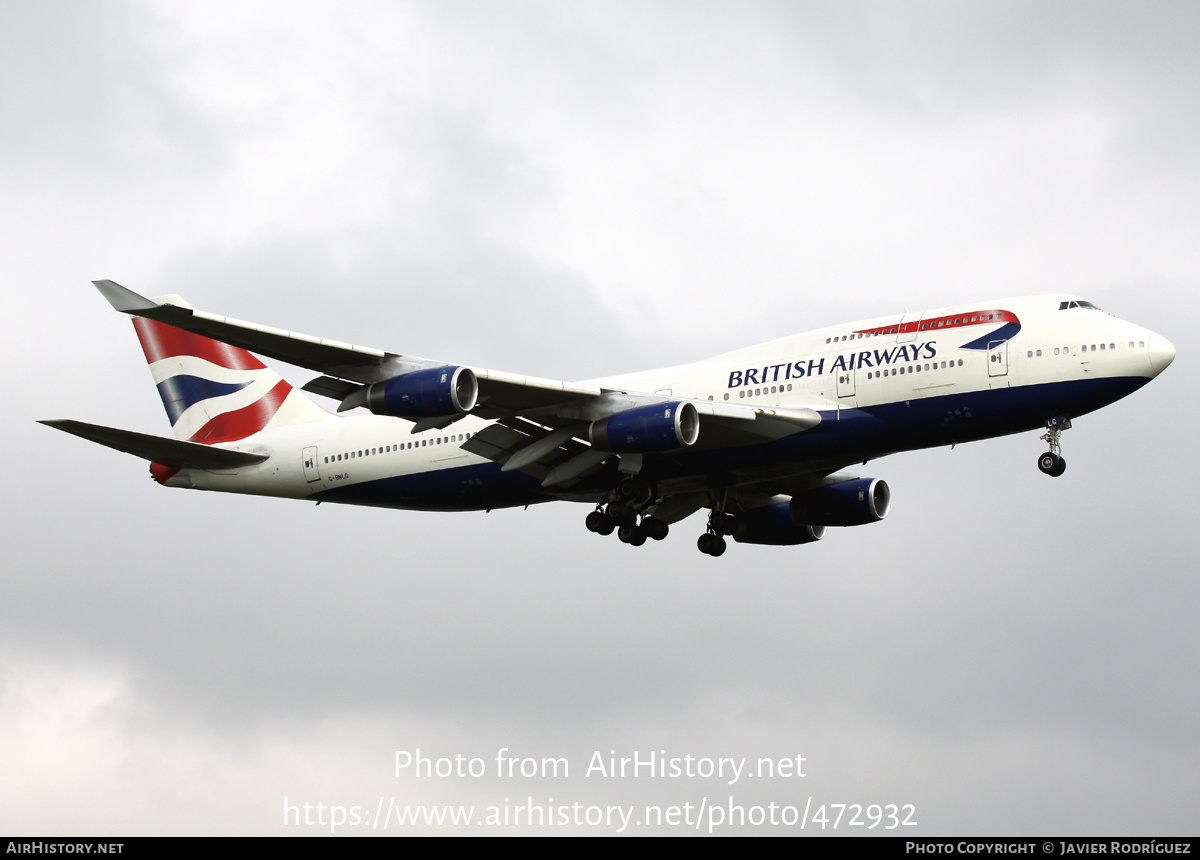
214	392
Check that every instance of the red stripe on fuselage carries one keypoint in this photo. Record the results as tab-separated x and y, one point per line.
942	323
160	341
246	421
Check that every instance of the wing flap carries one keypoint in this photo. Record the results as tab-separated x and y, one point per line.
501	441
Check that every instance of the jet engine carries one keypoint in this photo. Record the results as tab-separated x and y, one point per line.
773	525
434	393
848	503
659	427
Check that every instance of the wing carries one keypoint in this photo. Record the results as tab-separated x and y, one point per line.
542	425
347	367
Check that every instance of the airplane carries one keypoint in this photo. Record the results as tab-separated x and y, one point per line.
757	436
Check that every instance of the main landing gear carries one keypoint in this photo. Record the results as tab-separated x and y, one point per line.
1052	462
712	542
625	515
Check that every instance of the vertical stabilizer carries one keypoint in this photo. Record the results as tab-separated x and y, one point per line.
214	392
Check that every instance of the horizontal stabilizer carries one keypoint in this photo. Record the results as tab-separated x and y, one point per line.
169	452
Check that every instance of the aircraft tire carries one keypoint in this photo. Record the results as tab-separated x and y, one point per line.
655	528
631	534
1048	462
1059	468
617	511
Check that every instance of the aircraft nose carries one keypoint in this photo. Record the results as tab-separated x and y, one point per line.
1160	351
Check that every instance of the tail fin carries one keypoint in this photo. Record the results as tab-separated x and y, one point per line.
214	392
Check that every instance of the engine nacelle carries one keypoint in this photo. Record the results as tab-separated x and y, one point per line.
658	427
849	503
773	525
434	393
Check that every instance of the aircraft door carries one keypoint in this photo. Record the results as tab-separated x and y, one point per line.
311	472
845	383
910	324
997	358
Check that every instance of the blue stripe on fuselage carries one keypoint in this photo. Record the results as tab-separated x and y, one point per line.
1006	332
464	488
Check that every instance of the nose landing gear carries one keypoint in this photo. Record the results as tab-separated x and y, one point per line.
1052	462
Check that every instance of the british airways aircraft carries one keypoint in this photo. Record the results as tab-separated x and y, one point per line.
758	436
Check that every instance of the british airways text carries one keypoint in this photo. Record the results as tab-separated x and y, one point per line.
816	367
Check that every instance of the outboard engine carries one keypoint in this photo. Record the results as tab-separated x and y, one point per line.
773	525
848	503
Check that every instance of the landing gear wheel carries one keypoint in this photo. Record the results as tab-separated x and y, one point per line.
632	535
655	528
600	523
1052	462
711	544
618	511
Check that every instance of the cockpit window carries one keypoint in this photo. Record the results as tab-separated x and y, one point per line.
1062	306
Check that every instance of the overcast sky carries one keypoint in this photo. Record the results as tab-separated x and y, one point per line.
573	190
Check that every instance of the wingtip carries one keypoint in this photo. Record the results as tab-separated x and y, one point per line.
123	299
